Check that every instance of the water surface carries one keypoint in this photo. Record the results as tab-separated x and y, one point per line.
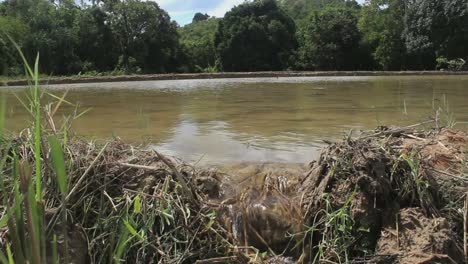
258	120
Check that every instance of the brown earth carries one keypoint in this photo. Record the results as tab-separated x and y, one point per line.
395	176
222	75
394	195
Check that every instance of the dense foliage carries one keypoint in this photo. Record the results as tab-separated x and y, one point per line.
381	23
256	36
197	40
136	36
331	40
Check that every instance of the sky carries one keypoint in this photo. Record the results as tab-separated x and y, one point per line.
182	11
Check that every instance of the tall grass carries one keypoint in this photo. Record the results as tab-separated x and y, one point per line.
24	212
54	183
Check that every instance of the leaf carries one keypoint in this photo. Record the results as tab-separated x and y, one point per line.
55	257
10	255
2	114
210	223
132	230
3	258
123	240
137	205
59	163
4	221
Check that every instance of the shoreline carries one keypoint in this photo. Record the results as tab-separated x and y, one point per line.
225	75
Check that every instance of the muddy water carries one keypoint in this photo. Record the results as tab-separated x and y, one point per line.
256	120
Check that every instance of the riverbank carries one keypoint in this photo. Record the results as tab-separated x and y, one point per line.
393	195
188	76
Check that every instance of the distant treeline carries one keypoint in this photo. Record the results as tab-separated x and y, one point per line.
134	36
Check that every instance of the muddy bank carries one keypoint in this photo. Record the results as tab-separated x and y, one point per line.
187	76
393	195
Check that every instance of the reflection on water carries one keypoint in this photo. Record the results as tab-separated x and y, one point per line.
262	119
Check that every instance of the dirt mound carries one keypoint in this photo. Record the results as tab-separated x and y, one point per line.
416	238
346	203
394	195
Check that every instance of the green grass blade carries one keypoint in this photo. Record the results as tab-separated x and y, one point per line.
10	255
59	167
26	64
4	220
3	258
84	112
33	226
55	259
59	164
123	240
16	224
37	147
23	104
132	230
60	99
2	115
16	242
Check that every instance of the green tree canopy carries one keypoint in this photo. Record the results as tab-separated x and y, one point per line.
197	39
256	36
435	28
301	9
331	40
146	33
13	27
381	23
200	17
96	42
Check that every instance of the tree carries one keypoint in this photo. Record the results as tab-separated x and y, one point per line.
200	17
197	39
255	36
381	23
96	42
331	40
50	33
145	33
435	28
15	29
301	9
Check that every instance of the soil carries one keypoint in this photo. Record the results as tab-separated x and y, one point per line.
373	173
222	75
393	195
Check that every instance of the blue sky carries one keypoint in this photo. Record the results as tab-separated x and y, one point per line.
182	11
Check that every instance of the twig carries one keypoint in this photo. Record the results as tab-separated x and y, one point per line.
54	217
217	260
414	137
448	174
397	232
465	228
144	194
110	199
86	173
261	239
399	130
180	177
141	167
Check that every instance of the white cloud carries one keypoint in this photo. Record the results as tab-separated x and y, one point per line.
165	2
224	6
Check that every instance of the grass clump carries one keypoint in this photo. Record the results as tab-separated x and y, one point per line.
64	200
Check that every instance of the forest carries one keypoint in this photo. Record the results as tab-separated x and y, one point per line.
112	37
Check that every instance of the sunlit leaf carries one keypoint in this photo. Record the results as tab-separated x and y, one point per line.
59	163
137	204
4	221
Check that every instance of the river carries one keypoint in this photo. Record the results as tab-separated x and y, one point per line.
255	120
